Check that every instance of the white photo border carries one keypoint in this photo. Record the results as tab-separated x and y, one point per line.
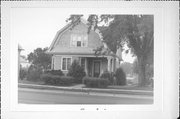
162	56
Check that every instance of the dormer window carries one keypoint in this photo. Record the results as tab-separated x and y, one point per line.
79	40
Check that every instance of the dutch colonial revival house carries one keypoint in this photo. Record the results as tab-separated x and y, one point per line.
75	43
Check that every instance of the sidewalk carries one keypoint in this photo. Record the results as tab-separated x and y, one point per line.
82	88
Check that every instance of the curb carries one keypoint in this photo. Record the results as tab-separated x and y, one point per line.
88	90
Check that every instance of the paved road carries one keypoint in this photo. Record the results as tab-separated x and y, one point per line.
37	96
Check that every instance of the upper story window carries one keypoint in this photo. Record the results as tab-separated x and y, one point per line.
79	40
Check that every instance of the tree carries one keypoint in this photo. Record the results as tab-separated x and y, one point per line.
127	67
74	20
40	58
135	30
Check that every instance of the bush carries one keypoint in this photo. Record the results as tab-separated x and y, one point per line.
107	75
56	79
95	82
49	79
34	73
77	72
55	72
23	73
66	80
120	77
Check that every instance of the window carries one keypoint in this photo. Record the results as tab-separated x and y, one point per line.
79	40
66	63
78	43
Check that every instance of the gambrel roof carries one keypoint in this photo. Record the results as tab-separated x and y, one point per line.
53	49
58	34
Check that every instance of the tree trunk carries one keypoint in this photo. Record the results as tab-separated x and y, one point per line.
141	72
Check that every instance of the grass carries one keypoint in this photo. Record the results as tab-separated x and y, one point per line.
131	88
41	83
31	82
109	87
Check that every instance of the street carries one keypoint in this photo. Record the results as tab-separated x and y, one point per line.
39	96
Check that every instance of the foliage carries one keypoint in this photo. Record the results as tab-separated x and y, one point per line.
74	20
56	79
76	71
135	66
135	30
127	67
95	82
23	73
107	75
149	73
120	77
34	73
40	58
55	72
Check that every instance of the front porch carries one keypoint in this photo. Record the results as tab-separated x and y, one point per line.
95	66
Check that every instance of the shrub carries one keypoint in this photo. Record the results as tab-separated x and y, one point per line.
107	75
95	82
23	73
34	73
66	80
55	72
56	79
120	77
77	72
49	79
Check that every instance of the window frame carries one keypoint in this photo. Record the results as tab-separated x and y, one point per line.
66	57
75	38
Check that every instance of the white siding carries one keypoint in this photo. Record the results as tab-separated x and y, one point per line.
57	62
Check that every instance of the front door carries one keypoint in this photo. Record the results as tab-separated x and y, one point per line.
96	68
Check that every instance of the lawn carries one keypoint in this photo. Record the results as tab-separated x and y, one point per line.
31	82
128	87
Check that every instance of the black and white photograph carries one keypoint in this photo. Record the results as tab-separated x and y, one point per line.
91	59
67	57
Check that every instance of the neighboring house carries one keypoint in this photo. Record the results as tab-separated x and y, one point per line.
75	43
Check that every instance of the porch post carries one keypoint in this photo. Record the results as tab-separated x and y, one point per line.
109	64
112	65
86	66
52	63
115	64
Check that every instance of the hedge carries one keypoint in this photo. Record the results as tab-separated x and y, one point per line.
34	73
95	82
56	79
23	73
107	75
54	72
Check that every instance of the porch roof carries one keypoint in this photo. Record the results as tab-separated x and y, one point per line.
79	54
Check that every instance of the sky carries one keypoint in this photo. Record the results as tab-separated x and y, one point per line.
37	27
